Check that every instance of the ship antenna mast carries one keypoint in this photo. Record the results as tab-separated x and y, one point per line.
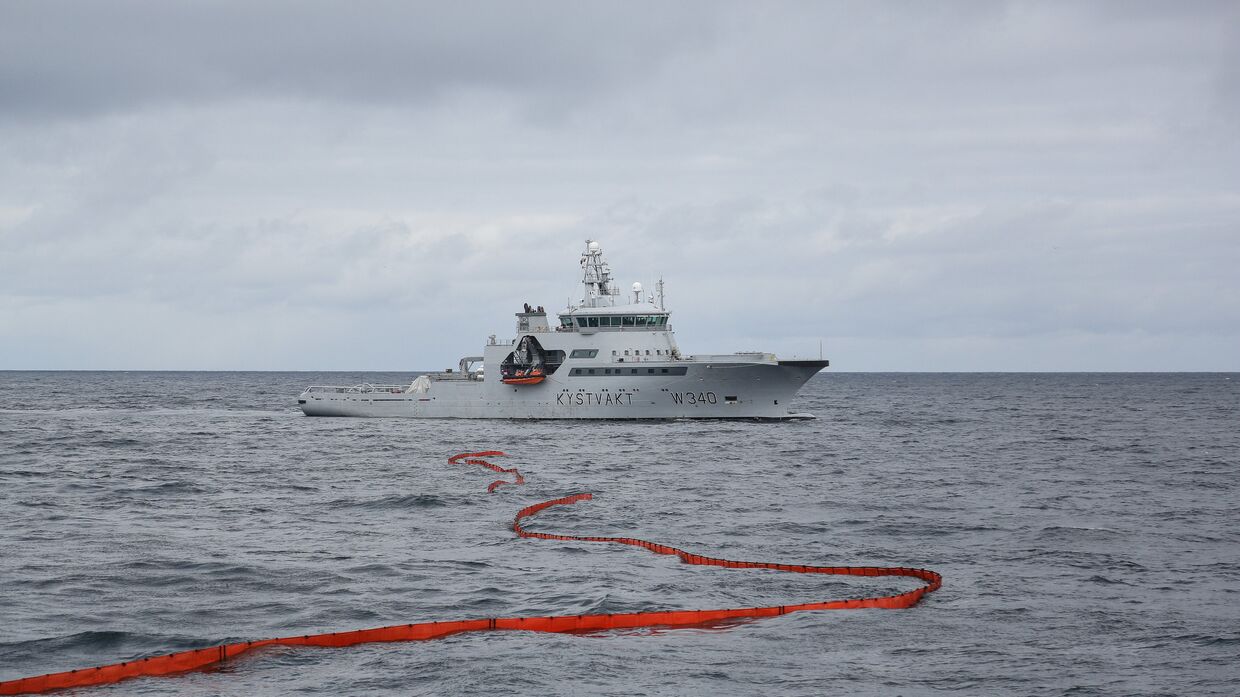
596	278
659	287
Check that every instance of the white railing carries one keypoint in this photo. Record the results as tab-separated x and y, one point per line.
752	357
364	388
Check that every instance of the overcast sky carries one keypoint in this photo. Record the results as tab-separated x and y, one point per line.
927	186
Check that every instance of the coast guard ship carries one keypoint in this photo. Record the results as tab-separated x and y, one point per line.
607	358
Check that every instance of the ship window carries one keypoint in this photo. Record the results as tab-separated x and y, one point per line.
606	371
665	370
611	321
641	321
583	353
594	321
650	371
658	352
581	321
591	370
626	352
566	321
628	320
647	352
632	371
613	352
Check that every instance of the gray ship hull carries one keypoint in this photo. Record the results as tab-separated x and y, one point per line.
734	389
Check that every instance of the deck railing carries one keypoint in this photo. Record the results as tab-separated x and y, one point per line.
746	357
364	388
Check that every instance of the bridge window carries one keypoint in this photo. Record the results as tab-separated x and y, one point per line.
566	321
581	321
628	320
593	321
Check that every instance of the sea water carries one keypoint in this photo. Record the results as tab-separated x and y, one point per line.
1085	525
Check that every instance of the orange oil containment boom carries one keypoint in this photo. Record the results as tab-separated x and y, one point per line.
199	658
476	459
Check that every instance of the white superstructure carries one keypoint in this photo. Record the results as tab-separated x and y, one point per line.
612	356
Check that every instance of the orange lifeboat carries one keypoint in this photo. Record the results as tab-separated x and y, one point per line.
524	381
533	376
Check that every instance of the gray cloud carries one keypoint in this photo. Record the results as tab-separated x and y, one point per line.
64	58
946	186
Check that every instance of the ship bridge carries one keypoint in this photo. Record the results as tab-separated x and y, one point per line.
599	309
635	317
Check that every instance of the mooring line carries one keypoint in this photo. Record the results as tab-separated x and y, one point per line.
199	658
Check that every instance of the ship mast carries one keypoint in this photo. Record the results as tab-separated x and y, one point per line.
599	289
